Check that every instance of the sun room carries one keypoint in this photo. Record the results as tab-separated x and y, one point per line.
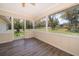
54	23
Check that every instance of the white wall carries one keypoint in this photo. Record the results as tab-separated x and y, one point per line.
6	37
66	43
29	33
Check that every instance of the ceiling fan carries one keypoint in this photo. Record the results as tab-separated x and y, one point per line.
24	4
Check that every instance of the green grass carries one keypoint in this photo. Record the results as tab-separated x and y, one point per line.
63	31
18	34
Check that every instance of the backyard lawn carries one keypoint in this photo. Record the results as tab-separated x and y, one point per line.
63	31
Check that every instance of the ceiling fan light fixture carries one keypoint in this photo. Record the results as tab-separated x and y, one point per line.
23	4
33	4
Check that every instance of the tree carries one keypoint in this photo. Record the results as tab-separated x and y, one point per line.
29	24
72	17
53	22
17	25
40	24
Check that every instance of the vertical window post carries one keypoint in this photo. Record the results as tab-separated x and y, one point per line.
46	23
33	24
24	28
12	27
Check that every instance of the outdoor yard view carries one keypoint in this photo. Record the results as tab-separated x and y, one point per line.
66	22
19	27
40	24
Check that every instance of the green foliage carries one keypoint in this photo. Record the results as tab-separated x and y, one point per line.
72	17
29	24
53	22
39	24
18	25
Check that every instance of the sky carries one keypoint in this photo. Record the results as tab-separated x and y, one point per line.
61	21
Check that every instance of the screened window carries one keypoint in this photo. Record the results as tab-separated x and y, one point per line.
29	24
18	28
40	24
66	22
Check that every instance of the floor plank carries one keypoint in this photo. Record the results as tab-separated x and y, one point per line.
30	47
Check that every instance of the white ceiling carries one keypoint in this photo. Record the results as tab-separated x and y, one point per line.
29	10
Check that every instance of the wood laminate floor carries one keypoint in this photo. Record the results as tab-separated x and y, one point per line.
30	47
